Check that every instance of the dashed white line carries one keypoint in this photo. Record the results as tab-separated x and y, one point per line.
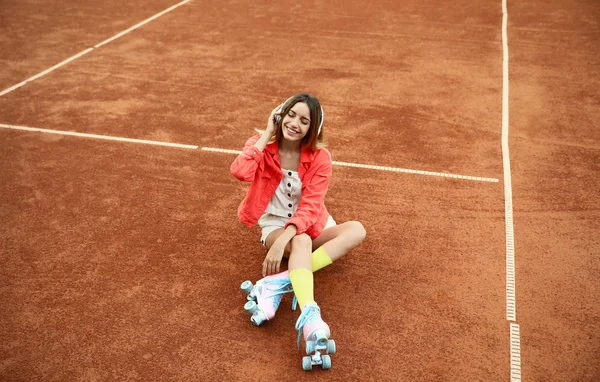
43	73
515	352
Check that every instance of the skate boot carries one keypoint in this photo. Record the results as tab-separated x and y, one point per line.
316	337
264	297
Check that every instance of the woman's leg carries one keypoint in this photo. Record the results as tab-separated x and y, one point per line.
335	241
300	267
340	239
310	324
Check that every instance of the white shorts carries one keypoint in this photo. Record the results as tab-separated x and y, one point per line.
269	223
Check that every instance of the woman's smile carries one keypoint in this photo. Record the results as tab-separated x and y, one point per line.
297	122
292	130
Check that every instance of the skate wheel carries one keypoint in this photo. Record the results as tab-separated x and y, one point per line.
306	363
257	319
246	286
326	362
251	307
310	347
330	347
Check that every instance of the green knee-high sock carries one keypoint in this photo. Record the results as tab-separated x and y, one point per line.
320	259
302	282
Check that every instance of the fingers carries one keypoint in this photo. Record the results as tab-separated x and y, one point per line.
271	267
272	264
268	267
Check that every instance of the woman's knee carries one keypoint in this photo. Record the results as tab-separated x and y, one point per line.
358	230
302	241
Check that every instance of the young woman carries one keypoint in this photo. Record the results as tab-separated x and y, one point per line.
289	169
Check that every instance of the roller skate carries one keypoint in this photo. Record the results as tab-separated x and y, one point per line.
264	297
316	337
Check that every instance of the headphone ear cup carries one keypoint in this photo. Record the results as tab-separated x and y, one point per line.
277	117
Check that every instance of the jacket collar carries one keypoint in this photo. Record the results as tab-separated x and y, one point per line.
306	155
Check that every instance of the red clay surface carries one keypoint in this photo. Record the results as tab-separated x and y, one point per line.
123	261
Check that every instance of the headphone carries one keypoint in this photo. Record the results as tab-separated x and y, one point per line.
277	118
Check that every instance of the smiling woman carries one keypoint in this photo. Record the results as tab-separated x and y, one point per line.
311	116
289	169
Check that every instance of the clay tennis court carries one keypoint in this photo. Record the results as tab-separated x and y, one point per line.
465	139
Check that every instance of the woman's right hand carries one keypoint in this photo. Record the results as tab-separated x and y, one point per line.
271	123
272	262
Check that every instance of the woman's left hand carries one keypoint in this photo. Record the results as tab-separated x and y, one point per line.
272	262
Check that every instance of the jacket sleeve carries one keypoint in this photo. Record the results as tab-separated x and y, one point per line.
313	195
245	166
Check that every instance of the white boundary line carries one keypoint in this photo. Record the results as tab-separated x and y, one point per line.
140	24
511	308
379	168
420	172
32	78
511	303
515	352
96	136
5	91
236	152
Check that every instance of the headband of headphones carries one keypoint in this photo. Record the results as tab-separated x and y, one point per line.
280	107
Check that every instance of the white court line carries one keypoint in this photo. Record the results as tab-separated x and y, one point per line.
515	352
140	24
511	302
96	136
5	91
43	73
236	152
379	168
511	307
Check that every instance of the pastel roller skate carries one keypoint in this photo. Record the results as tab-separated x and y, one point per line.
264	297
316	338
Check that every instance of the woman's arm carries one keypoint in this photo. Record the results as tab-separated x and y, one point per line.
263	140
245	165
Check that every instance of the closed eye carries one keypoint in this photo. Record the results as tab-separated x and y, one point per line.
304	121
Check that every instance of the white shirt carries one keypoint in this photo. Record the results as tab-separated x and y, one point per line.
285	201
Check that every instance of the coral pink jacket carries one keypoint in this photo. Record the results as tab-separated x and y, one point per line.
263	169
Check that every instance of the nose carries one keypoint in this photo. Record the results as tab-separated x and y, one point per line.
297	121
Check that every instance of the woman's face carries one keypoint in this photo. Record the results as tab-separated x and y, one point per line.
296	123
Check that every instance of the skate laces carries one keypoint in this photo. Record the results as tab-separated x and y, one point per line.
279	287
311	312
